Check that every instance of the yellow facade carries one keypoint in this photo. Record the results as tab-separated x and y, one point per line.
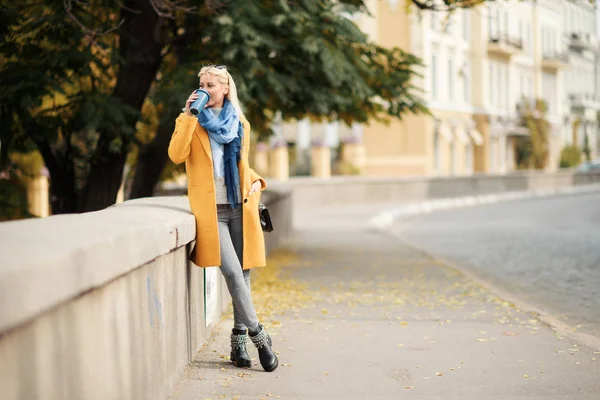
479	68
437	144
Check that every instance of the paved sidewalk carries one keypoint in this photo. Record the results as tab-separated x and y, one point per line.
357	314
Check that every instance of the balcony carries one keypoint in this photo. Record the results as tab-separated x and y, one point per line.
504	45
554	60
582	101
583	41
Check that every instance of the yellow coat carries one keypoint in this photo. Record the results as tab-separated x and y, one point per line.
190	143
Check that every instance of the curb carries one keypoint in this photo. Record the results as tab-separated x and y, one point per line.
552	322
383	220
386	218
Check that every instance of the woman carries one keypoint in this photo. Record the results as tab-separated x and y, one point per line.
224	194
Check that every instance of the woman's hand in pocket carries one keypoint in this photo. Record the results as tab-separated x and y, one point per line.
255	188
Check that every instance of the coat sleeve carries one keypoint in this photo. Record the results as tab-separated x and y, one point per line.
179	147
253	175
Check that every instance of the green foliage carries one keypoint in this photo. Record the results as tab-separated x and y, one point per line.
532	151
69	91
13	199
570	156
306	60
13	192
587	151
523	151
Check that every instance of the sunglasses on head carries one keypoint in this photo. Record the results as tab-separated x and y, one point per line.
220	67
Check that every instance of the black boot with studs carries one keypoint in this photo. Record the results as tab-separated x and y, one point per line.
239	355
263	343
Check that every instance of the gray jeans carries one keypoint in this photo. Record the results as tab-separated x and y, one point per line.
237	279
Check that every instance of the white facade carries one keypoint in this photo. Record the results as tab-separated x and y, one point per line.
582	101
481	66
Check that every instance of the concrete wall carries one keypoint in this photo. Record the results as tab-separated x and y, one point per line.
105	305
309	193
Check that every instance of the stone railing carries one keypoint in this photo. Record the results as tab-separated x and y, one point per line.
105	305
339	191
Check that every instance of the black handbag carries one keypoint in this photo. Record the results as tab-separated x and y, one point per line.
265	218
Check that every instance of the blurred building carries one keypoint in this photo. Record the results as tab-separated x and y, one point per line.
582	78
482	67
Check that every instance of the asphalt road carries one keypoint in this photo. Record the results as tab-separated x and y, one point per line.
545	251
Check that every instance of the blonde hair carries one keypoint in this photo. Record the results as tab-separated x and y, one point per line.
224	78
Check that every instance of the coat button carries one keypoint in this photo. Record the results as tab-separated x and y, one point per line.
245	200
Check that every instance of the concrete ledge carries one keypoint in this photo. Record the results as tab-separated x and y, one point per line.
105	305
48	261
358	190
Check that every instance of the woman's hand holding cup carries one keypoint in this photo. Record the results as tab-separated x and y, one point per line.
189	102
197	101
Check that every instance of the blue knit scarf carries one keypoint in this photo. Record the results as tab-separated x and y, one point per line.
226	128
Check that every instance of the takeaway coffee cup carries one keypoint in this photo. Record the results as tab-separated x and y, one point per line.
200	102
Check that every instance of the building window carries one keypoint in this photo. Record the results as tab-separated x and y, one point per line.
467	82
506	87
469	158
453	158
450	80
493	23
495	84
500	88
449	25
466	24
529	47
521	84
436	150
491	81
493	154
434	93
549	88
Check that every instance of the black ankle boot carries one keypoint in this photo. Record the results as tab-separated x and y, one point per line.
263	343
239	356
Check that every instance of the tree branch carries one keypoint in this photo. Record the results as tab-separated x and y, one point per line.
446	5
167	9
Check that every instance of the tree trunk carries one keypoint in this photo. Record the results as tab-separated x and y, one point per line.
105	177
152	160
64	198
142	39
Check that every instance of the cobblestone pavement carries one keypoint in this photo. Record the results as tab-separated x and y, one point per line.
545	251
